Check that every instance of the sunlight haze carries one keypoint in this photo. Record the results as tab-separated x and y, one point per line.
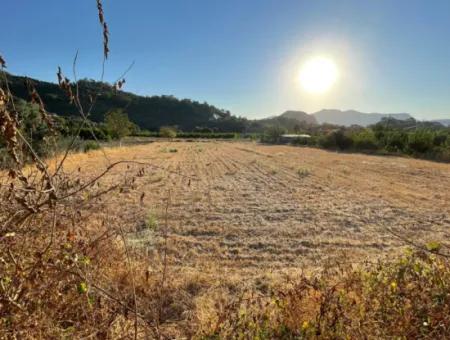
318	75
239	169
393	56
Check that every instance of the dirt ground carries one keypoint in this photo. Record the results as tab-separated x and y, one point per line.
249	208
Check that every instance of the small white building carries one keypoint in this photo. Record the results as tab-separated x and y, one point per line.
289	138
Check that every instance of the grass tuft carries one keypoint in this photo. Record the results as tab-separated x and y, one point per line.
151	222
303	172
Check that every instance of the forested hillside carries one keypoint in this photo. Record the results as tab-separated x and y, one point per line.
147	112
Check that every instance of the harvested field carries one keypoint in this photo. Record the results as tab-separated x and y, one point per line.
180	233
248	209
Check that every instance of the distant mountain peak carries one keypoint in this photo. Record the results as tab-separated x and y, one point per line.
300	116
353	117
445	122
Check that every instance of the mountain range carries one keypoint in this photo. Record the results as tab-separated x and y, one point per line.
352	117
152	112
343	118
300	116
445	122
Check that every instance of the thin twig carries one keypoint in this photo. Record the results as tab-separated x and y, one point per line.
133	283
164	272
418	246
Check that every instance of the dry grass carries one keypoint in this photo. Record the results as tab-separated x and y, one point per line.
209	233
216	240
235	225
407	297
246	207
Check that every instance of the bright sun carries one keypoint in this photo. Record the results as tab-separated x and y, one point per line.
318	75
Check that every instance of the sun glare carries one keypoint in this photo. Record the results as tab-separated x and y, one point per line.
317	75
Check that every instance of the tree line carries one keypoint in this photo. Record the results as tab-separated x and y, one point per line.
389	136
118	114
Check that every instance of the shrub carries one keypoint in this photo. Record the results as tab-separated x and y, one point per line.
420	141
365	140
336	139
343	142
440	139
167	132
407	296
86	133
396	141
91	145
273	134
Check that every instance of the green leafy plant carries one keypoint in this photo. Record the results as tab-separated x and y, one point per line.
82	288
302	172
151	221
433	246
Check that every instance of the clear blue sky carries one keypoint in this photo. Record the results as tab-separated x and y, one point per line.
244	55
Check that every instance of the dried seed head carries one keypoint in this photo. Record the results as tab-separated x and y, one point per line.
119	84
100	12
65	85
105	40
60	76
2	62
8	127
101	18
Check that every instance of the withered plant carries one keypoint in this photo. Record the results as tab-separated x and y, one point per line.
64	270
67	269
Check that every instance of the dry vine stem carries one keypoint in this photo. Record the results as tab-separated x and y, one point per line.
53	260
66	269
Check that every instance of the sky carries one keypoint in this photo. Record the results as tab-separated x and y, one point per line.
245	55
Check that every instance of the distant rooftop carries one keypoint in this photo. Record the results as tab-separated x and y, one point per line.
295	136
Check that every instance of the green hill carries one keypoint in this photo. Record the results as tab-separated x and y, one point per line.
149	112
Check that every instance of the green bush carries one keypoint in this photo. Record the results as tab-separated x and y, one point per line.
440	139
420	141
87	133
167	132
336	139
396	141
273	134
91	145
365	140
